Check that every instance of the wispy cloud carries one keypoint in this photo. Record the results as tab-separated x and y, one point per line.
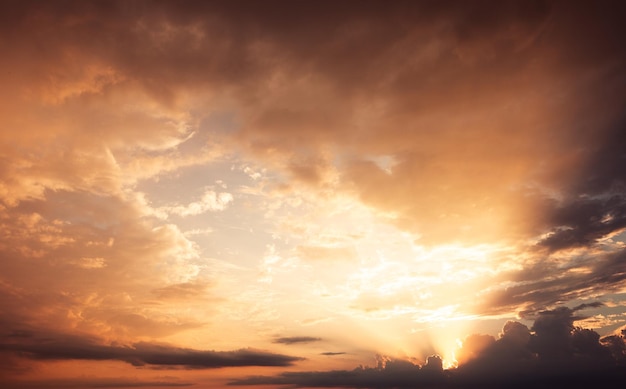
210	201
297	339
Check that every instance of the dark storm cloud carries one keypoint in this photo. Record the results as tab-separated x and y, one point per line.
554	352
548	282
56	346
555	337
595	205
583	221
297	339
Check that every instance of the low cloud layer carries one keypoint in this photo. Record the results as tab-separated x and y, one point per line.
552	352
51	346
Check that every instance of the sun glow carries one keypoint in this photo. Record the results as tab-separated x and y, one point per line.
272	189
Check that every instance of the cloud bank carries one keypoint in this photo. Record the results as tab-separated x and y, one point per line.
51	346
553	352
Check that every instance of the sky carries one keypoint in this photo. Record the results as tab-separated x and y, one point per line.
256	194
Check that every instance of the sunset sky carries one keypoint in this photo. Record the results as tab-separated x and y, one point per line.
253	194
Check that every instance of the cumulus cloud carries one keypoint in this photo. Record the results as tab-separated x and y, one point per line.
553	352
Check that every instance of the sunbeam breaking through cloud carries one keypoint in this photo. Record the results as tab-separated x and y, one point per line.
312	193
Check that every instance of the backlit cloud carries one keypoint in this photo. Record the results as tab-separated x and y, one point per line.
552	352
177	177
210	201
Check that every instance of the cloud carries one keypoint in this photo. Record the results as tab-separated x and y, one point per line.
97	383
387	374
448	180
296	339
58	346
504	122
79	252
182	291
473	345
515	81
90	263
586	220
547	279
552	352
319	103
327	253
136	324
556	338
210	201
333	353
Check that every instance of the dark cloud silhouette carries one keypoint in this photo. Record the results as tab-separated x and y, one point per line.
616	345
595	203
552	352
546	282
472	347
585	219
297	339
388	373
96	383
333	353
57	346
556	338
